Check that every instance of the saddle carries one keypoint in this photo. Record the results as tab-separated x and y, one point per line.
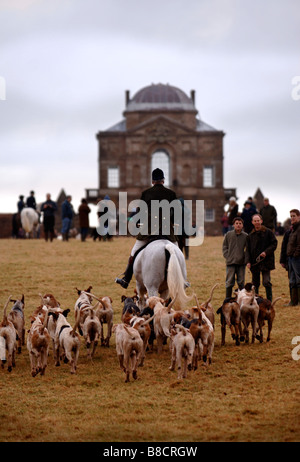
152	239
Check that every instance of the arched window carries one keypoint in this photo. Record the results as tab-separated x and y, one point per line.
161	159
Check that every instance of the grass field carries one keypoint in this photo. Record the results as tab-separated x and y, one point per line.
250	392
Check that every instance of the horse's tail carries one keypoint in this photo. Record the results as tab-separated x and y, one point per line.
175	280
29	219
25	221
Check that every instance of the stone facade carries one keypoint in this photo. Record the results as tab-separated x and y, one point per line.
161	129
6	225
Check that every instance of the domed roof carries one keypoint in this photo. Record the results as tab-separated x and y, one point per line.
160	96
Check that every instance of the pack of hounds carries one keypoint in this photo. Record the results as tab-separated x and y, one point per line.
189	332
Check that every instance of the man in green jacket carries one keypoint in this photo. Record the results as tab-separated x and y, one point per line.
260	254
293	254
234	246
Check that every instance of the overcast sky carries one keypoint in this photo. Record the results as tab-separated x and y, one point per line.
66	65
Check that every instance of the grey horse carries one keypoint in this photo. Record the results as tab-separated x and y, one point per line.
160	270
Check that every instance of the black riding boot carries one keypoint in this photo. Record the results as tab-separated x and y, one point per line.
125	280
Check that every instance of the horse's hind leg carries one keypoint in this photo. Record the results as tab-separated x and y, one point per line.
141	291
164	294
152	292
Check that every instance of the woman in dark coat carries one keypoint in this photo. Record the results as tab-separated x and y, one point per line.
247	214
49	209
84	222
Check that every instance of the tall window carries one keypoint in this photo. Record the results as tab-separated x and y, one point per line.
210	215
160	159
208	177
113	180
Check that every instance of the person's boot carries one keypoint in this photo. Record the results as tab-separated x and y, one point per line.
125	280
290	302
298	296
269	293
294	296
228	292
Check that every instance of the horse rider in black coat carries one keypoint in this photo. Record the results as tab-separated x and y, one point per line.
157	192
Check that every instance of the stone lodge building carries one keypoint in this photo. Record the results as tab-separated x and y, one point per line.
161	129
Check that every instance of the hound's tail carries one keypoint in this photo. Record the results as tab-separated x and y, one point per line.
4	312
210	297
76	325
199	308
45	322
132	337
148	321
175	280
276	300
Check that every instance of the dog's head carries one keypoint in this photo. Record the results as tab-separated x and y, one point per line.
146	312
126	300
178	316
55	314
248	287
50	300
173	330
87	290
153	301
19	304
32	319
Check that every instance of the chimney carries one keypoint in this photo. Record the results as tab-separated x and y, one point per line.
127	96
193	94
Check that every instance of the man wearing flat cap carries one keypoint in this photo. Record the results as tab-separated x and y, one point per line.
157	192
